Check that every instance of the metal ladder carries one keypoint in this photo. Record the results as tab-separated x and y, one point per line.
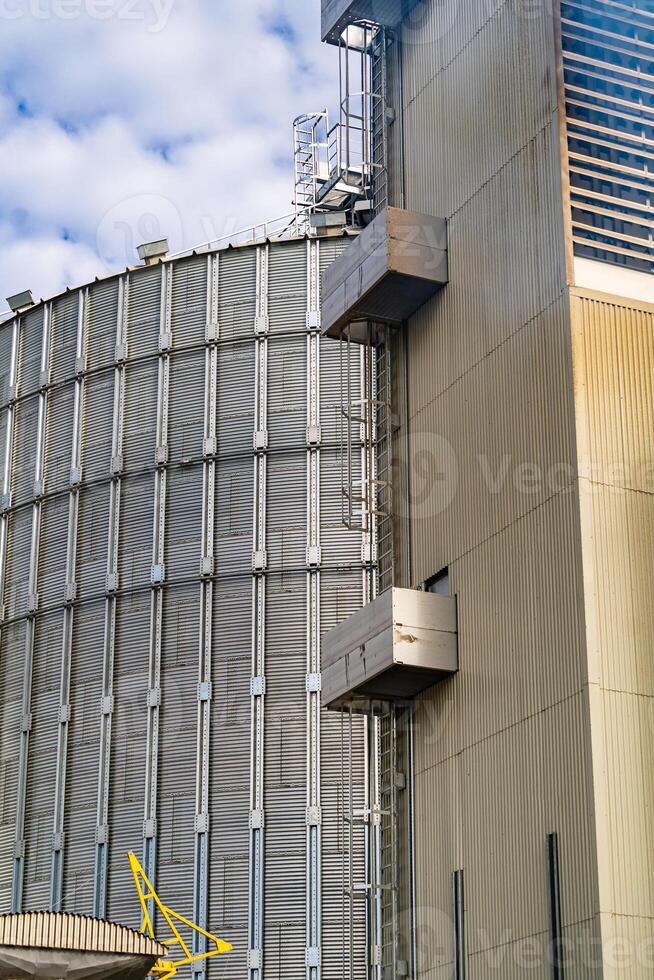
391	783
372	823
366	444
383	462
379	89
336	166
355	832
310	157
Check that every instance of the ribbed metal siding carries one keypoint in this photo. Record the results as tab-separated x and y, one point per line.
13	650
613	349
285	762
189	302
178	743
64	335
42	771
83	756
502	753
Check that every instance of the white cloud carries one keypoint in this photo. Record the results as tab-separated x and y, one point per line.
173	120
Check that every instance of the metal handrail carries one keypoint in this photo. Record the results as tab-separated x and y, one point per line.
257	233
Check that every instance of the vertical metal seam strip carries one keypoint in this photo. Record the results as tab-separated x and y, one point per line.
257	698
203	750
106	704
9	457
30	625
157	578
8	462
313	819
411	821
458	900
58	841
370	586
554	889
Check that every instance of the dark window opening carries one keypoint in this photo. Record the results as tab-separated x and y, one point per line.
439	584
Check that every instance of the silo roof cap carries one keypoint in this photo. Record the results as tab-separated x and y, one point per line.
81	933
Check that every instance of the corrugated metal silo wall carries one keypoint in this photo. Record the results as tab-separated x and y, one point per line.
149	471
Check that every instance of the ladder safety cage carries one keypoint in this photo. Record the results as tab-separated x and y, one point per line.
311	135
374	811
366	432
337	166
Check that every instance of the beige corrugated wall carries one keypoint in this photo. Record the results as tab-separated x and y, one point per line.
613	346
503	751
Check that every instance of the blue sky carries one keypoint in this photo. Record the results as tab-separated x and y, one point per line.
123	120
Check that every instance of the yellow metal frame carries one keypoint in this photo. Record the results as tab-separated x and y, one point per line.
165	969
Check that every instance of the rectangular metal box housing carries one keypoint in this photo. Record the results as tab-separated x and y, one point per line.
394	648
339	14
388	273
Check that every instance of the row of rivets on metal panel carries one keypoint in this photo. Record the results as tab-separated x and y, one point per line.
260	439
257	687
209	447
158	577
44	384
260	559
120	357
153	697
162	458
259	562
207	566
64	715
255	959
313	683
149	829
74	480
205	691
314	321
313	956
201	823
102	834
70	592
107	705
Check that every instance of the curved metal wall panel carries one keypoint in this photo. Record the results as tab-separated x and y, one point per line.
166	574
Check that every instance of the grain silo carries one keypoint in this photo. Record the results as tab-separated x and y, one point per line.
171	549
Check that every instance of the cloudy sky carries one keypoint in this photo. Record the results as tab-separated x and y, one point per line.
124	120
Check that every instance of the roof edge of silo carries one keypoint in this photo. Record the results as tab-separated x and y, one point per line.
8	316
